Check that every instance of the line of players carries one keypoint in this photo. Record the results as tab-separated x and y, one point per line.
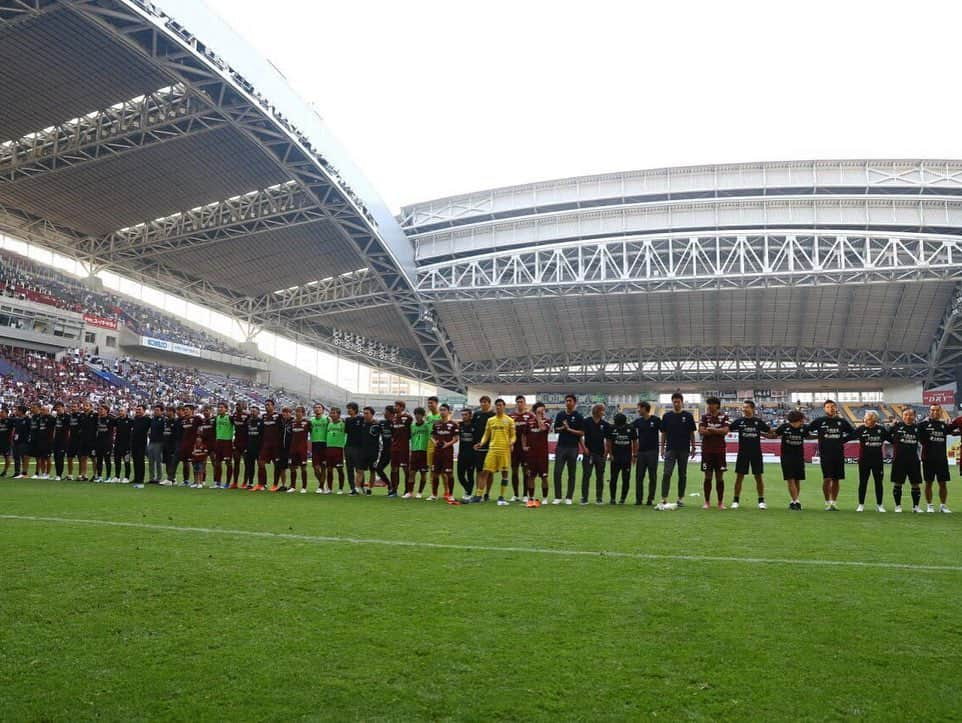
359	447
918	453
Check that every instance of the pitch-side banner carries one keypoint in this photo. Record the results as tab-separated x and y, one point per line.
100	322
940	395
171	346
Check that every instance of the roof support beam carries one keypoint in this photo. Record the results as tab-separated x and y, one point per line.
686	262
282	206
15	12
163	115
346	292
945	358
708	365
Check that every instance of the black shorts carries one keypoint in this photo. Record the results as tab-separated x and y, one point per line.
906	468
366	460
714	462
354	457
41	451
319	453
749	462
833	466
793	468
5	450
479	457
935	469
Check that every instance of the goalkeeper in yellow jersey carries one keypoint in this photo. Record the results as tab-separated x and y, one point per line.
499	438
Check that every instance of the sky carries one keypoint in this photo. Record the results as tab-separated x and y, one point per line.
438	98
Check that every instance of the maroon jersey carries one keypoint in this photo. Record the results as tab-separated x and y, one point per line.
522	423
200	450
401	431
444	432
271	438
206	432
189	426
240	429
538	437
300	435
715	442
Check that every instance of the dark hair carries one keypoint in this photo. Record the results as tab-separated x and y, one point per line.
795	416
468	410
445	406
620	419
159	406
335	409
400	403
520	398
419	411
389	410
498	401
538	405
432	399
485	398
351	405
713	400
677	395
369	409
269	401
828	401
572	397
139	406
750	403
645	405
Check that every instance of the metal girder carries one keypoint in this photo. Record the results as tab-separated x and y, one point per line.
945	356
696	365
677	262
281	206
345	292
14	12
34	228
172	48
158	117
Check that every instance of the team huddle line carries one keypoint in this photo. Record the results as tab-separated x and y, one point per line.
359	447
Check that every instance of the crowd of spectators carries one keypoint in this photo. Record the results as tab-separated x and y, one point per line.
25	279
27	376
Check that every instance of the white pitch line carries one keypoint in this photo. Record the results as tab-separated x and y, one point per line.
653	557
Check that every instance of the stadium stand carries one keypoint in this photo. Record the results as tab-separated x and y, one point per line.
25	279
28	376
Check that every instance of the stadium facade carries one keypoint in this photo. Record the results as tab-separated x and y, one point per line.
163	148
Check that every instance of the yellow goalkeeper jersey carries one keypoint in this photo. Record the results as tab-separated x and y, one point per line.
499	434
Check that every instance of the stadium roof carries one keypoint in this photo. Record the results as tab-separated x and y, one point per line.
157	144
801	273
150	140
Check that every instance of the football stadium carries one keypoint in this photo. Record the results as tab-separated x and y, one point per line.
675	443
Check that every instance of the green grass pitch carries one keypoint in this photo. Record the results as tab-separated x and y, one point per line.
477	613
